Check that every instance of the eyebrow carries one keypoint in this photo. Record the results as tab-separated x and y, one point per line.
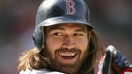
54	28
62	29
81	30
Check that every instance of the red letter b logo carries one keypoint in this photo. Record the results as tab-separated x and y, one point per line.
70	7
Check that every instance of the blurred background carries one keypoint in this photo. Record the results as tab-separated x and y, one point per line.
112	20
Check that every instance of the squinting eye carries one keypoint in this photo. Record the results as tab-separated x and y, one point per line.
78	34
58	34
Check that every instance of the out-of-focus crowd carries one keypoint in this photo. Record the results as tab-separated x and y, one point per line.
112	20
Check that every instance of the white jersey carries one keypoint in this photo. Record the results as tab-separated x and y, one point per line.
41	71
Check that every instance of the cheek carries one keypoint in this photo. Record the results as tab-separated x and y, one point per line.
52	45
83	45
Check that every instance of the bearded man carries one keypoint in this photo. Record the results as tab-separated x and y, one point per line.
65	41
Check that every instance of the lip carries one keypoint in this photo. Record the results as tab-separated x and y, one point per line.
67	57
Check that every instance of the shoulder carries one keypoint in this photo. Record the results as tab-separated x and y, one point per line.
27	71
41	71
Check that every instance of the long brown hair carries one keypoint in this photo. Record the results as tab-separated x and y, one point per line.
34	59
96	50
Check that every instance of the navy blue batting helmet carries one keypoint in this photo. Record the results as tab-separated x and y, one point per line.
53	12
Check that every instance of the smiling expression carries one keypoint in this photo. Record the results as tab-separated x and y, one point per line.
67	43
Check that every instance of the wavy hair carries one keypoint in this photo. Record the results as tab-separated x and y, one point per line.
35	59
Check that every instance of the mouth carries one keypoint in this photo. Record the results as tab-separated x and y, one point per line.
67	57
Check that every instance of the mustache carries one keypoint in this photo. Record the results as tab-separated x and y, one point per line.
68	50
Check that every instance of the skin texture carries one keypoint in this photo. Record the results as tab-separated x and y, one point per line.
67	46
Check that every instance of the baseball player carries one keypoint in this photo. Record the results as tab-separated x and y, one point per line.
67	44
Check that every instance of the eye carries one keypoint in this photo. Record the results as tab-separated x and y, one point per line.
58	34
78	34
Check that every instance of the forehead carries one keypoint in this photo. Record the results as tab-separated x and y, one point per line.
77	26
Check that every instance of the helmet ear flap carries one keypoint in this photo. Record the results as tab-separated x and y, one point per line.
38	38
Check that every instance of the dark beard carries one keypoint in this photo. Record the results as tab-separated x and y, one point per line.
56	65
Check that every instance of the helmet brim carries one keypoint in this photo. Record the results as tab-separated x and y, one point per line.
65	19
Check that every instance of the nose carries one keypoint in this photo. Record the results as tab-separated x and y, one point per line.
69	42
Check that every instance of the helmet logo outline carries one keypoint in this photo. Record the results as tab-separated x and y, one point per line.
70	7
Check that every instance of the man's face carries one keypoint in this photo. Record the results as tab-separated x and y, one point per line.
67	43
